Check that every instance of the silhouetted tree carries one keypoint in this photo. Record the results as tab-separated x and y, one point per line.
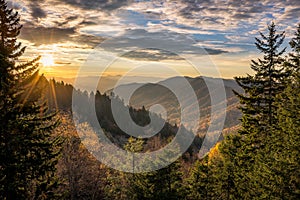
294	60
262	87
28	149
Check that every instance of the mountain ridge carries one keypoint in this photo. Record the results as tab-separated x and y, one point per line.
150	94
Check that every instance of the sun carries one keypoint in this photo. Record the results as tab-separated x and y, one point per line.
47	60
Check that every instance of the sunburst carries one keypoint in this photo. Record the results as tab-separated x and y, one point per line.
47	60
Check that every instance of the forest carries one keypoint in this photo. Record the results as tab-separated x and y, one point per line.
43	157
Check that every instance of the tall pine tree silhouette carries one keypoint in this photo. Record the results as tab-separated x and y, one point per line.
295	55
28	149
259	112
262	87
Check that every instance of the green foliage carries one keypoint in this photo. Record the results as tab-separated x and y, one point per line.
198	184
294	61
165	183
278	162
215	176
28	151
225	169
259	113
288	161
262	160
262	87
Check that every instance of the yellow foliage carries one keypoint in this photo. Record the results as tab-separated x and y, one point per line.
214	152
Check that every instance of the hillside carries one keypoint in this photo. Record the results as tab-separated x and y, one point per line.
150	94
60	98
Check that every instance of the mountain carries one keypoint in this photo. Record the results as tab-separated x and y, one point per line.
60	97
105	83
151	94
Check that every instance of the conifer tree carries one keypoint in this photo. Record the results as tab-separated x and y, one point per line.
286	146
278	172
259	114
261	88
283	147
199	182
168	182
224	168
28	150
294	60
165	183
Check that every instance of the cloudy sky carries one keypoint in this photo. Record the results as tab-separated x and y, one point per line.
145	37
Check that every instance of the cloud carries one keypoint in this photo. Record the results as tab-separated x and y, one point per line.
241	16
232	10
87	23
290	13
221	15
107	5
67	21
90	40
51	35
179	26
151	55
46	35
139	44
14	5
36	10
62	63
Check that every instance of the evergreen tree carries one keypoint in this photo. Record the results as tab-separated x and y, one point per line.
261	88
28	149
282	170
259	115
165	183
214	177
198	184
294	60
286	146
279	171
168	182
224	168
262	161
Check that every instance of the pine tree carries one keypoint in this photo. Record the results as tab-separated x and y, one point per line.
28	149
286	146
261	88
165	183
283	146
168	182
294	60
259	115
279	172
199	181
224	168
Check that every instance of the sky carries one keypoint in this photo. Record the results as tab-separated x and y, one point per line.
159	38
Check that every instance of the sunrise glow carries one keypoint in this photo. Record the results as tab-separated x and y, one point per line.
47	60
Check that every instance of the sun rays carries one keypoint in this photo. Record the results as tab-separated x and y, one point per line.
47	60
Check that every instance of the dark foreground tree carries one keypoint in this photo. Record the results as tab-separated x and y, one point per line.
198	184
294	60
28	149
262	88
259	110
284	164
262	160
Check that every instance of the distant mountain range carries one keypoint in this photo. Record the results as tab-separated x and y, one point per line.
146	95
150	91
150	94
60	98
106	82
